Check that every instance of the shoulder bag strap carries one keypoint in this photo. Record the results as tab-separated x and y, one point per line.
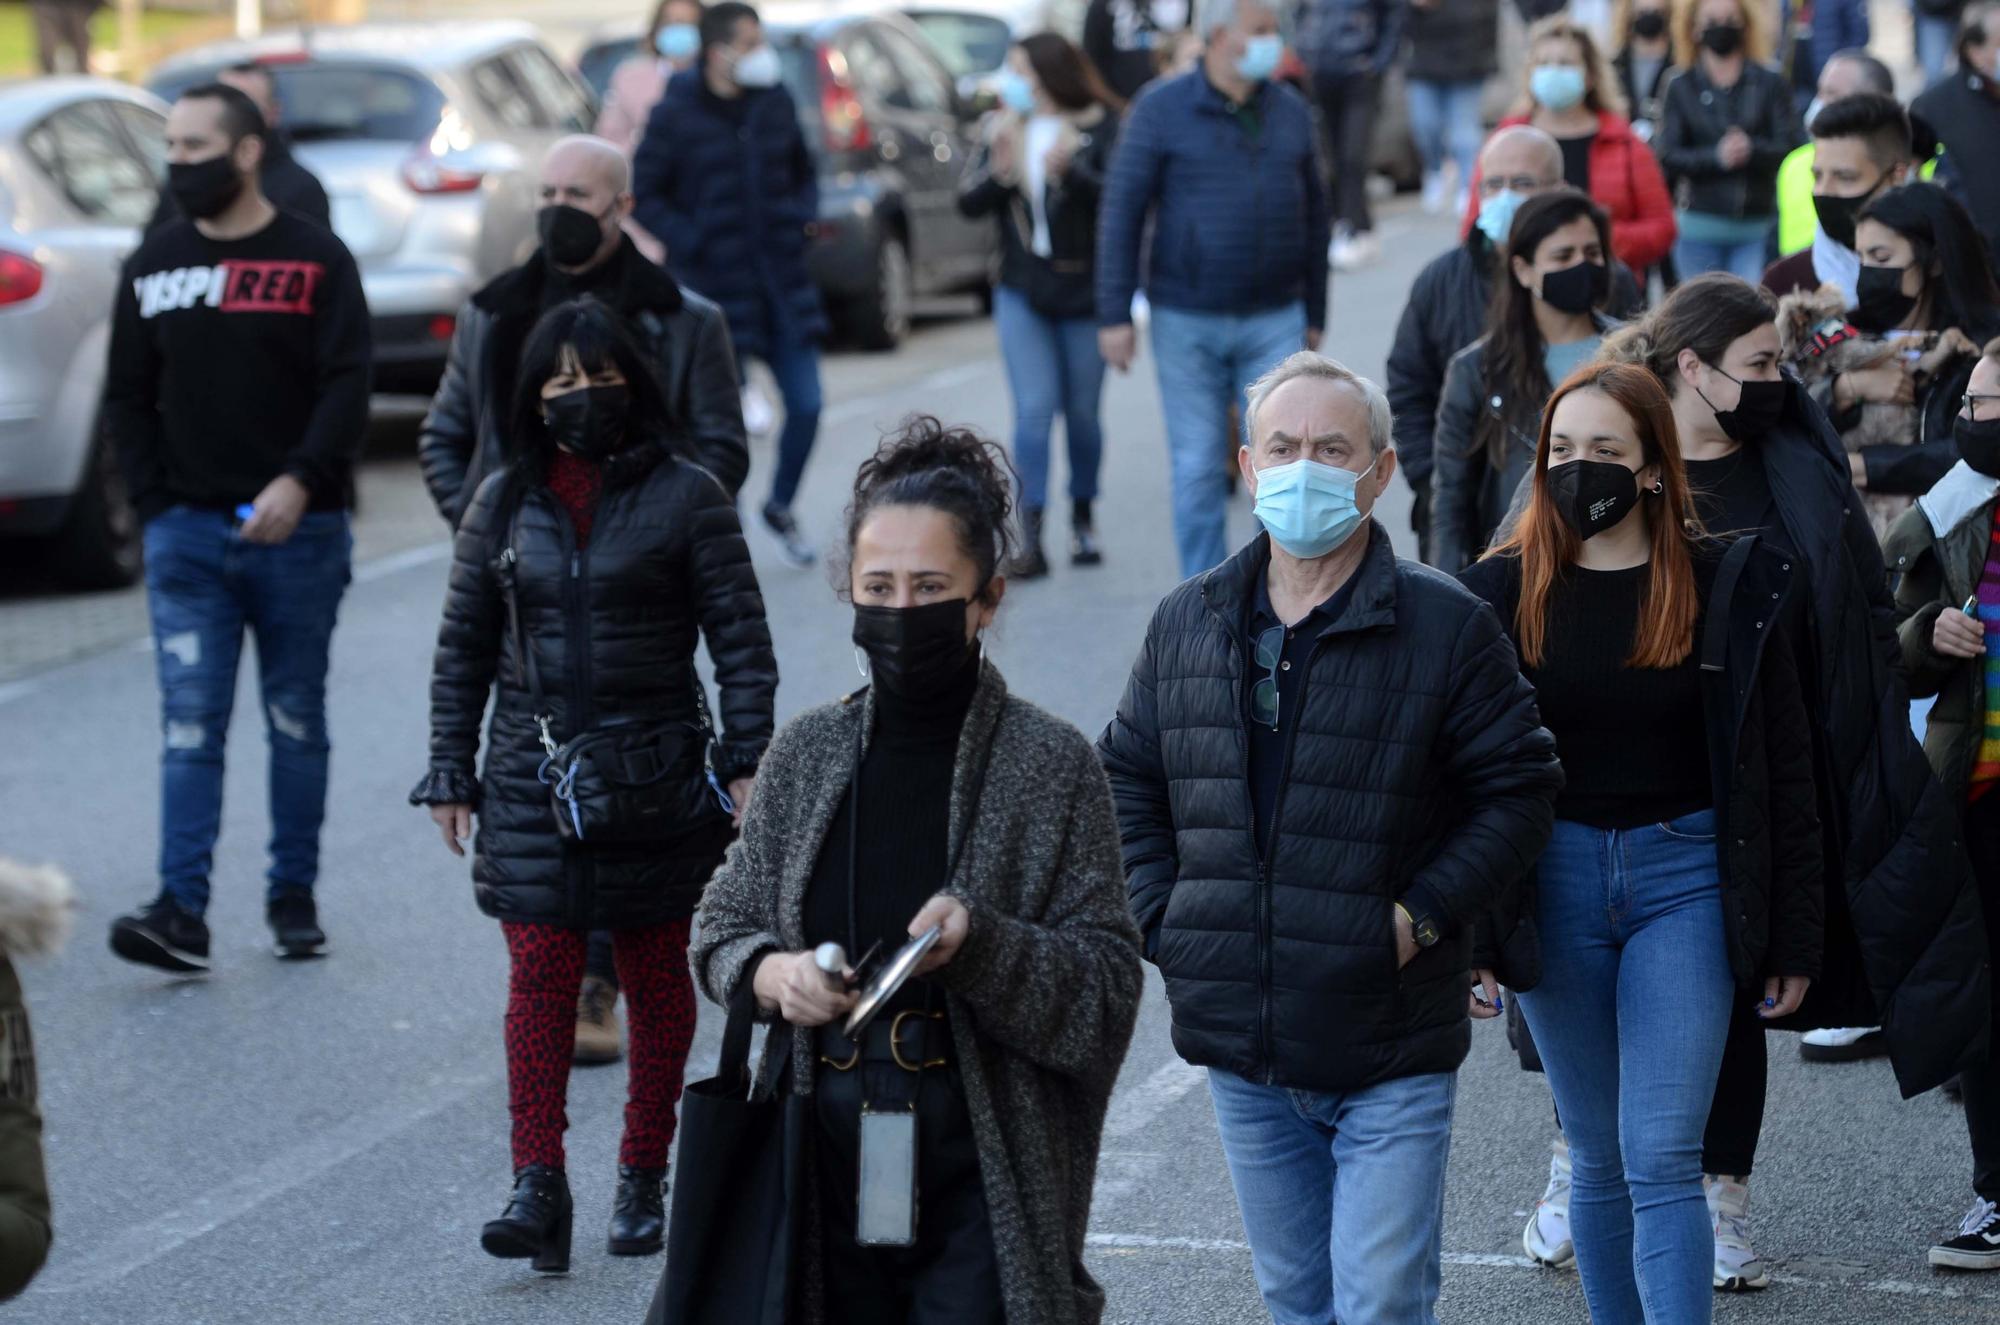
524	657
1715	631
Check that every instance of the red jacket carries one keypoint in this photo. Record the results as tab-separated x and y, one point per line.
1625	180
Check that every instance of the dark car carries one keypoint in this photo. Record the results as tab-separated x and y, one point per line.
892	137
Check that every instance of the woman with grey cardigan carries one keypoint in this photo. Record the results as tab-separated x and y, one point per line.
934	798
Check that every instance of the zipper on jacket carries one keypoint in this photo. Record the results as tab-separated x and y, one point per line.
1267	856
576	657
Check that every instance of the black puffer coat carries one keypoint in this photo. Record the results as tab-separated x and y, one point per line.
1418	765
612	627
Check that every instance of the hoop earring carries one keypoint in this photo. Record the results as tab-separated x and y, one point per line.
861	662
1658	487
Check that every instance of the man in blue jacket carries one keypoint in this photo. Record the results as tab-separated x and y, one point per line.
1222	161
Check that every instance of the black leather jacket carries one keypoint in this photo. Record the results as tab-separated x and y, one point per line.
1695	114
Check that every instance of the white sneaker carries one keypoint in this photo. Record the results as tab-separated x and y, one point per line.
1436	192
1737	1269
1546	1238
758	416
1842	1044
1352	252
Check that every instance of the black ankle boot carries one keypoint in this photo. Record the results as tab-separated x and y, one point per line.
1029	563
639	1211
1083	548
536	1221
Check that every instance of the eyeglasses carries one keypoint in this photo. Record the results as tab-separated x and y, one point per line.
1972	403
1493	185
1270	650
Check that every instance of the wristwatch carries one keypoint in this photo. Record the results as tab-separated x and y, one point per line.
1422	928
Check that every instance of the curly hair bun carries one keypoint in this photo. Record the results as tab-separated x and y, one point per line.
952	469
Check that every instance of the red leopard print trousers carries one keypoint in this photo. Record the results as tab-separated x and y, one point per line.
542	989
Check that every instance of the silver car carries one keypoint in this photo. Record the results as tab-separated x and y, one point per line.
80	167
428	138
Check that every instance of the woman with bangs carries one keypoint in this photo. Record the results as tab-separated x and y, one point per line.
1684	871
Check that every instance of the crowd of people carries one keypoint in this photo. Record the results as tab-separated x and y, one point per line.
1708	493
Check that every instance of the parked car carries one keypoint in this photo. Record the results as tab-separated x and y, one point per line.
972	36
892	138
429	138
80	166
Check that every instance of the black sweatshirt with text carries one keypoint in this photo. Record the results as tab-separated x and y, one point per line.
235	361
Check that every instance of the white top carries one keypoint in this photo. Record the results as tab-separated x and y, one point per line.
1043	133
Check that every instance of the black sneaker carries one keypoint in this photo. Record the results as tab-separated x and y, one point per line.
798	552
294	922
161	934
1977	1246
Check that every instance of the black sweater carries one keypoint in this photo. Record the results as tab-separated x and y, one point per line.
233	362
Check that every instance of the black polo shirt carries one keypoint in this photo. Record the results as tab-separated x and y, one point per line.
1267	747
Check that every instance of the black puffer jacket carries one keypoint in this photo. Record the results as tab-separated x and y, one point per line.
1062	285
1767	843
613	628
1418	764
1457	41
1694	115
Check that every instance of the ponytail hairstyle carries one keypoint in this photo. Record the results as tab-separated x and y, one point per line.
1707	314
1548	547
952	470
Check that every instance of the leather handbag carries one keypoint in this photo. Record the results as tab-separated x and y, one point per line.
642	782
734	1230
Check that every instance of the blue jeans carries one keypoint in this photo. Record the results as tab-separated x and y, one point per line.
794	361
1051	365
205	585
1206	362
1342	1195
1631	1016
1444	118
1934	37
1692	257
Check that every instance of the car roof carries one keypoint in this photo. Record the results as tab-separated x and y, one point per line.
786	16
25	101
1023	15
430	46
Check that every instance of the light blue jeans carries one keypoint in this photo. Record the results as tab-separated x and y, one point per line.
1206	363
1342	1195
1631	1016
1444	118
1934	38
1692	257
1053	366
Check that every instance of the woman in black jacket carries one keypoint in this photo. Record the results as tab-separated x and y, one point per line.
1726	124
1695	869
1543	322
580	579
1645	58
1040	176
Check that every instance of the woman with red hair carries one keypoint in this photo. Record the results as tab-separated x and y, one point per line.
1684	871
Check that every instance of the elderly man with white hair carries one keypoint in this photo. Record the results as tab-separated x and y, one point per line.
1331	781
1222	160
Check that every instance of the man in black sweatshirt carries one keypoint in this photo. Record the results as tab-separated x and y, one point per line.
237	395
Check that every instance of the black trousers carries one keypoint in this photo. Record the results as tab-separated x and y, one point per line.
599	961
1736	1118
1981	1084
950	1277
1347	105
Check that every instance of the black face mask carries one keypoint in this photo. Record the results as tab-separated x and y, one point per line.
914	652
204	189
589	421
1651	25
1722	38
1879	301
1759	406
570	236
1836	215
1577	288
1978	443
1593	495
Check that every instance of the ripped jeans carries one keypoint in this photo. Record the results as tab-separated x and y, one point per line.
205	585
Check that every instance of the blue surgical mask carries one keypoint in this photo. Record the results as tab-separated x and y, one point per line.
1260	57
1015	92
1309	507
1556	86
678	41
1496	215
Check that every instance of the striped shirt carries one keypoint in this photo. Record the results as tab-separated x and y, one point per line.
1986	767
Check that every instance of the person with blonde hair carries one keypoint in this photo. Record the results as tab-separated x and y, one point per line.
1645	58
1726	124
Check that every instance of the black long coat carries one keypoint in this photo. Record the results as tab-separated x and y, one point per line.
612	627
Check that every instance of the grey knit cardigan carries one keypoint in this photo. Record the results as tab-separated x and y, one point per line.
1042	996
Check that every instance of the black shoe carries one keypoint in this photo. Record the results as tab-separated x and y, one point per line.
294	922
1083	548
798	552
1977	1246
536	1222
161	934
1028	562
639	1212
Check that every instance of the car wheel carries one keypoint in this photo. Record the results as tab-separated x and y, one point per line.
880	319
99	545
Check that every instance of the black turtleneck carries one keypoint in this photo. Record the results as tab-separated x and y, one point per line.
904	821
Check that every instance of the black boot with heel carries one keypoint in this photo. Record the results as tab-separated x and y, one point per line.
536	1222
1028	562
1083	546
639	1212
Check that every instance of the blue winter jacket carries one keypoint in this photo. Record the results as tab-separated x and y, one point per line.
729	186
1240	219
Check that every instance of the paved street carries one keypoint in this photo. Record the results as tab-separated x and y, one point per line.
298	1144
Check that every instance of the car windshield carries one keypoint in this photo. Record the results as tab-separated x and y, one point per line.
968	43
332	102
795	56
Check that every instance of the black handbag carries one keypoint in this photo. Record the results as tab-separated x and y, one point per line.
641	782
734	1231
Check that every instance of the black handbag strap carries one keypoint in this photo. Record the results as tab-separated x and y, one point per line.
734	1064
524	657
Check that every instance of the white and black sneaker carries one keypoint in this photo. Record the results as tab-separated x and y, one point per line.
1842	1044
1977	1246
161	934
798	552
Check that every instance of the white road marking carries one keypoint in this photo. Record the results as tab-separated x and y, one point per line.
1134	1108
382	567
904	398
